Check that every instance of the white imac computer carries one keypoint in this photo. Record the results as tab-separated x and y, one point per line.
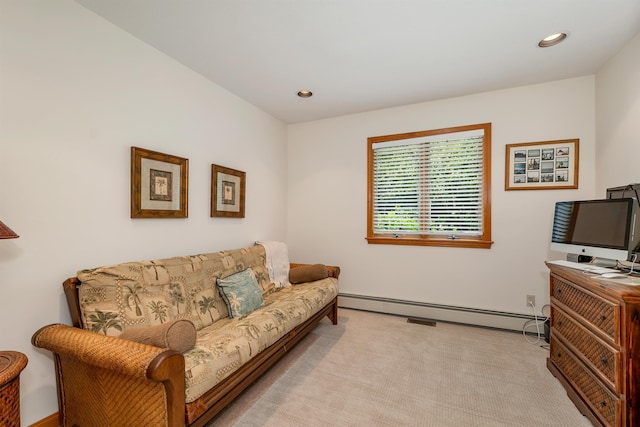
603	229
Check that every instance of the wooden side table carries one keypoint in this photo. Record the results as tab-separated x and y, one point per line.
11	364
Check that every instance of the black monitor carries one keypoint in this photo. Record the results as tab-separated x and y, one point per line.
603	228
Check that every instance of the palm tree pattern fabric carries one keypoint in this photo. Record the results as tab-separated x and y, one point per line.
241	293
146	293
226	345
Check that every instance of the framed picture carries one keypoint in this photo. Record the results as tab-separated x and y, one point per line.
227	192
158	185
548	165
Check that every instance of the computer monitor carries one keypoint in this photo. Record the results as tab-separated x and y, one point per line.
603	228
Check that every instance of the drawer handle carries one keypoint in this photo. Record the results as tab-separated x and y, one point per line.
603	318
603	404
604	361
560	323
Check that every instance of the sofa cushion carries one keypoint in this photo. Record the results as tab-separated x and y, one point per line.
241	293
146	293
178	335
308	273
225	346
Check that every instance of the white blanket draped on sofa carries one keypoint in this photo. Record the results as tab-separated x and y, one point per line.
277	262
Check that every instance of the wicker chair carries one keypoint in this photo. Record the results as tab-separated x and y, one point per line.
94	383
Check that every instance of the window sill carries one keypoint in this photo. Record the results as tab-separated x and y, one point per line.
421	241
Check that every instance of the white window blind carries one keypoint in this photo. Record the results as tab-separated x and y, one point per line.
429	185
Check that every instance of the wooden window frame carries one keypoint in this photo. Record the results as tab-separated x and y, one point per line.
482	242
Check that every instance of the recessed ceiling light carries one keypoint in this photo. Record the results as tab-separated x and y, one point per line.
305	94
552	40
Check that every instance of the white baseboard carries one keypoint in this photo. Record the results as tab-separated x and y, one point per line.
445	313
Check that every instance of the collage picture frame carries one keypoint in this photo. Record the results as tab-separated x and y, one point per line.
546	165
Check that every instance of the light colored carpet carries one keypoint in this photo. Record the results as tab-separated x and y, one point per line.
378	370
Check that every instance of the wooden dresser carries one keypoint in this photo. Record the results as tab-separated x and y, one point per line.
595	345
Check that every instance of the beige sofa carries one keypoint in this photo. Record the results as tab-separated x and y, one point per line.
104	380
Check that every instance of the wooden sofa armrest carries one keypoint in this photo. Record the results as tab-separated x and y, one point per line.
104	380
71	287
334	271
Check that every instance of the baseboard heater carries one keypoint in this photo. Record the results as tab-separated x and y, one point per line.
445	313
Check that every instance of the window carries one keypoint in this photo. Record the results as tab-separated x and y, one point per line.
431	188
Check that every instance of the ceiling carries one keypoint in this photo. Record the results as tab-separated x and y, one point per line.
362	55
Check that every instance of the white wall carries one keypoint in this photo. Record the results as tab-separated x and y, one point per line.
328	198
618	117
75	94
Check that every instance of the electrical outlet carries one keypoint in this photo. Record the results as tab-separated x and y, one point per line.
531	300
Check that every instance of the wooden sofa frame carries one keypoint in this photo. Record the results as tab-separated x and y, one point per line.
91	361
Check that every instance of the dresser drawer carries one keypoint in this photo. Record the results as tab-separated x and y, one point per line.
597	395
603	315
600	355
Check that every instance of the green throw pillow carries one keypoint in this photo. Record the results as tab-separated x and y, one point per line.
241	293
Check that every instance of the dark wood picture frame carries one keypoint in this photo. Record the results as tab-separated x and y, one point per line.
159	185
546	165
227	192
